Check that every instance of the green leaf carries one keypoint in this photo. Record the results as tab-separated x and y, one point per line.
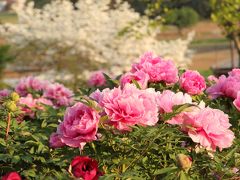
2	142
44	124
108	177
136	83
15	159
165	170
27	159
4	157
183	176
112	83
29	173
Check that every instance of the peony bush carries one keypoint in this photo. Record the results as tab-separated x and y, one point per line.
153	122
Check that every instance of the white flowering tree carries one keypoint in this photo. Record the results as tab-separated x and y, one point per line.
91	33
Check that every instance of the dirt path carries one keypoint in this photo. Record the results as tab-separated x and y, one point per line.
206	60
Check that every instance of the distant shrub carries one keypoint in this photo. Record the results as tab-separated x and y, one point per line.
182	17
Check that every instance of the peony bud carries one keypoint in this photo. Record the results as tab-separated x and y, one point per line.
14	96
11	106
184	162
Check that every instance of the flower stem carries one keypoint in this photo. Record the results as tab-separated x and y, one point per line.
8	124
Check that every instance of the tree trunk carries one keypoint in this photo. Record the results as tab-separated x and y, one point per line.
231	45
236	41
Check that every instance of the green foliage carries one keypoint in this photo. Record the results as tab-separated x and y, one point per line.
27	151
226	14
181	18
5	57
160	7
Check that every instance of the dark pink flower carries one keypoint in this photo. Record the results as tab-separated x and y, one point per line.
85	168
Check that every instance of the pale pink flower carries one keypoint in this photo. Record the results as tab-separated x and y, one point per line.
79	126
236	102
212	78
59	95
139	76
27	105
97	95
168	99
44	101
157	68
226	86
55	141
4	93
130	106
30	84
208	127
216	90
193	110
192	82
97	79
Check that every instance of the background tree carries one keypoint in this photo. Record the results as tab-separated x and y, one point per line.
182	17
5	57
159	7
227	14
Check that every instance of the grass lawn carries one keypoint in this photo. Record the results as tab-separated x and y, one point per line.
203	42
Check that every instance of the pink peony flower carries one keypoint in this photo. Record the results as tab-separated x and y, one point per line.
80	125
97	95
236	102
216	90
192	82
97	79
209	127
29	105
55	141
226	86
59	95
130	106
157	68
4	93
139	76
168	99
212	78
234	72
231	86
43	101
29	84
